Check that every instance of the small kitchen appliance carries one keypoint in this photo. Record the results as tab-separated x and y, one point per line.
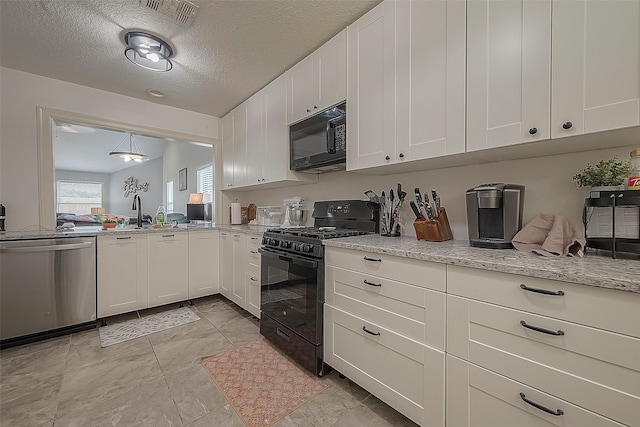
294	213
494	214
292	277
319	143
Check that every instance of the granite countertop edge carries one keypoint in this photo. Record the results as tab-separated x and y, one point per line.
98	231
591	270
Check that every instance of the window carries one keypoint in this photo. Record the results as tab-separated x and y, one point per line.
205	183
78	197
170	197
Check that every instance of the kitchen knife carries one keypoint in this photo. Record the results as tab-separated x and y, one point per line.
436	200
372	196
416	210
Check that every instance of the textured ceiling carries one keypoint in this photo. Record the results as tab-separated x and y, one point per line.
232	49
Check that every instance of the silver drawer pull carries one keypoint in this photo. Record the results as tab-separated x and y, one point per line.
366	282
364	328
557	412
168	235
123	238
543	330
254	252
541	291
254	279
372	259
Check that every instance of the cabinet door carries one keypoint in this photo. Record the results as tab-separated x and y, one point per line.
371	90
596	64
508	72
478	397
330	68
256	149
226	264
276	131
238	290
227	150
122	274
300	84
239	145
168	268
204	274
431	78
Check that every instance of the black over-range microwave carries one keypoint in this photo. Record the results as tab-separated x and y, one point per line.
319	143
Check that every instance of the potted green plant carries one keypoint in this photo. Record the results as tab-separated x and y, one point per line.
605	173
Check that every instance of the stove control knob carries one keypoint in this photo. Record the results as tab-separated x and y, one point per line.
305	247
297	246
284	244
265	240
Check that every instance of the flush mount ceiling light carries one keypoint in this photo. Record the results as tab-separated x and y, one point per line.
148	51
133	154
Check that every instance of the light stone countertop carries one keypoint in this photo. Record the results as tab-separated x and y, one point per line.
592	270
89	231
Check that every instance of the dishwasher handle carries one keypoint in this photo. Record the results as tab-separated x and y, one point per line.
47	248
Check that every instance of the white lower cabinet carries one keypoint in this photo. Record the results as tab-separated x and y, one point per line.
122	274
478	397
204	277
563	346
384	328
253	276
226	263
168	268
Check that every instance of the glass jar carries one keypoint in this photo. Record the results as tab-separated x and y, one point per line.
633	182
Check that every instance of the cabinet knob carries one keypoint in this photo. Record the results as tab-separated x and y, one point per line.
567	125
387	158
308	110
401	155
533	131
315	107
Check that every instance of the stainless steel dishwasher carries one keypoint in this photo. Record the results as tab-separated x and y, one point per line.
47	288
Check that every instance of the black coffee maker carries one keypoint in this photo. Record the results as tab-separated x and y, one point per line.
494	214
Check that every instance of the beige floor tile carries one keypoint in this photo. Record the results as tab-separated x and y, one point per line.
224	416
89	385
187	349
148	404
392	416
224	314
49	344
327	408
241	331
31	406
361	416
194	393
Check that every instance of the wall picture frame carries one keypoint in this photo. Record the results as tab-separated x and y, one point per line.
182	179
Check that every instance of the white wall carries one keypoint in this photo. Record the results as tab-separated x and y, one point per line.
22	93
547	180
146	172
179	156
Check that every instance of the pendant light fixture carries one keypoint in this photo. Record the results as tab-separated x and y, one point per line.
148	51
133	154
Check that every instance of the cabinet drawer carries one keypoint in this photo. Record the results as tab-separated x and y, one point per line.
592	368
403	373
479	398
408	310
420	273
608	309
253	257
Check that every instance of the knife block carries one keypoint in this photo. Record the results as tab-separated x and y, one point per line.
437	230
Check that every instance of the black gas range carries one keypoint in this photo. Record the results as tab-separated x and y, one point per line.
292	276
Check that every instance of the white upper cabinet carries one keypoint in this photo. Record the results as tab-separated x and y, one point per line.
430	83
508	72
227	150
596	64
371	108
256	142
234	147
319	80
406	74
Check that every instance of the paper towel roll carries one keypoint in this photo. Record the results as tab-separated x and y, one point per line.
236	213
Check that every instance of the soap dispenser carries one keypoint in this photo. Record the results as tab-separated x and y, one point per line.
161	215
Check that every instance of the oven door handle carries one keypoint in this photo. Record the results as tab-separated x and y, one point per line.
294	259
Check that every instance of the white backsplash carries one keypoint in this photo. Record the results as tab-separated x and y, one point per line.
548	185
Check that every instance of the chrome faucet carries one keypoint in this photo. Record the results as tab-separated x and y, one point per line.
139	209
